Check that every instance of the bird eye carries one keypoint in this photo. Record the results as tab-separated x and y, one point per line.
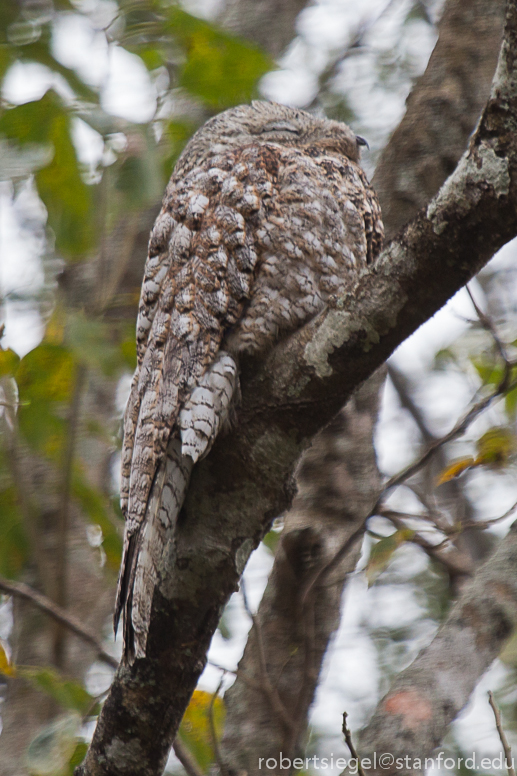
361	141
280	126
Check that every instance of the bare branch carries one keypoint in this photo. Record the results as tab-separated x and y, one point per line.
413	717
454	562
500	346
185	758
349	742
213	731
499	725
59	615
272	693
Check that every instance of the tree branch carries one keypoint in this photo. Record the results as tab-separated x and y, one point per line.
413	717
499	725
337	483
59	615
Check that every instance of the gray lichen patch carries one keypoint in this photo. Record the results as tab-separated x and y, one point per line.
462	190
126	754
335	330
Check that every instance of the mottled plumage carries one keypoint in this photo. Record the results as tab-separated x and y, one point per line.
267	218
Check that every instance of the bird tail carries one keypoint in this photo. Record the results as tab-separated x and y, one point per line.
147	549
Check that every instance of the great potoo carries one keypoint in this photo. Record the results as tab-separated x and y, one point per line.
267	218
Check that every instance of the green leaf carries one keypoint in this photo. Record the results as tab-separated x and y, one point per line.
139	176
510	403
14	549
77	757
45	380
68	693
220	68
489	374
271	540
195	727
67	198
6	667
176	134
128	352
9	12
9	361
495	447
51	751
46	373
6	59
89	341
383	551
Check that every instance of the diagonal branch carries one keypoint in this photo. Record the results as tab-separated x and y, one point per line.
59	614
424	699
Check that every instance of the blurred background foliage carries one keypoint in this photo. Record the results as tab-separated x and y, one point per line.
86	183
211	69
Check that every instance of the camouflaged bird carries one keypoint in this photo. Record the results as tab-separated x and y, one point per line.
267	218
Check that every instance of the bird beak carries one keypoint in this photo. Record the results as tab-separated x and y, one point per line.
362	142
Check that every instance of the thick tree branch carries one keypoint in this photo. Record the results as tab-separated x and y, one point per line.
413	717
442	110
337	483
241	486
252	731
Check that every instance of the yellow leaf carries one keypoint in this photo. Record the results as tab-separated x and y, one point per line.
195	727
6	667
455	468
382	552
55	331
495	447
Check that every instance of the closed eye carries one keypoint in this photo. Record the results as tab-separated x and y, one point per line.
279	126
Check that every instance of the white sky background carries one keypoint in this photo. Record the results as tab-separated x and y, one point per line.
351	676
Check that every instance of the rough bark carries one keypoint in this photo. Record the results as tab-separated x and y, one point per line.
413	717
337	484
243	483
458	77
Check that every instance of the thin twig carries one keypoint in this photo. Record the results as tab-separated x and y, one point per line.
353	44
452	562
186	759
458	429
348	739
492	521
400	383
271	691
213	732
488	325
405	474
506	746
239	674
41	601
64	509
